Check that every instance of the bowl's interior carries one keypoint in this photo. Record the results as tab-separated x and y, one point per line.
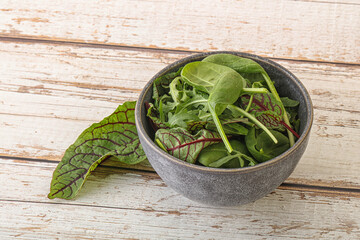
285	82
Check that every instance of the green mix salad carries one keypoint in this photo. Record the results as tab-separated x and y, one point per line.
221	112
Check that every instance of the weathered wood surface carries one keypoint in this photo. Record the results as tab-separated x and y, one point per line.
310	30
119	204
66	64
51	93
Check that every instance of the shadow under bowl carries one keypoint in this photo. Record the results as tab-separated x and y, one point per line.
220	186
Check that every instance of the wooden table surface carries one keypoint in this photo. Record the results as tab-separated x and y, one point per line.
66	64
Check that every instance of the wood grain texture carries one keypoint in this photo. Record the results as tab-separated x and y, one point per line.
51	93
118	204
311	30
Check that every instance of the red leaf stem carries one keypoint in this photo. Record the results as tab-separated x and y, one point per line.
194	142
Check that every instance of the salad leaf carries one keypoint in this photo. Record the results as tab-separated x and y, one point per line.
239	64
183	145
262	148
248	66
161	85
154	116
216	155
115	136
287	102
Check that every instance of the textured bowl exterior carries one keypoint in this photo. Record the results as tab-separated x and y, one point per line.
227	187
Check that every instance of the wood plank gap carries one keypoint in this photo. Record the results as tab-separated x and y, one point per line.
146	209
327	2
40	160
91	44
4	38
353	192
317	189
64	203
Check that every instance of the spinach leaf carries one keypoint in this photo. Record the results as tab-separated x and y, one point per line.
216	155
231	128
115	136
287	102
262	148
223	85
239	64
182	144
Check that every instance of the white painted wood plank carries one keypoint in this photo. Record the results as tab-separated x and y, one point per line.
119	204
51	93
315	30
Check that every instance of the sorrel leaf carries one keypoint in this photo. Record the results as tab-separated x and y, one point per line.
268	111
262	102
114	136
183	145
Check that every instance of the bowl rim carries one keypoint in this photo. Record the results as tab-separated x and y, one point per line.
140	105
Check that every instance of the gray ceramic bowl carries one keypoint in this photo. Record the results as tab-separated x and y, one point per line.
227	187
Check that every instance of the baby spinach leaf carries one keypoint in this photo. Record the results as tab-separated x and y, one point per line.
216	155
223	84
115	136
262	148
203	76
229	128
239	64
183	145
287	102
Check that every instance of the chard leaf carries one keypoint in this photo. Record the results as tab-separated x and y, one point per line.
115	136
183	145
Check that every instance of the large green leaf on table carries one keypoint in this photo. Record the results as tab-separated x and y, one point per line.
183	145
114	136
